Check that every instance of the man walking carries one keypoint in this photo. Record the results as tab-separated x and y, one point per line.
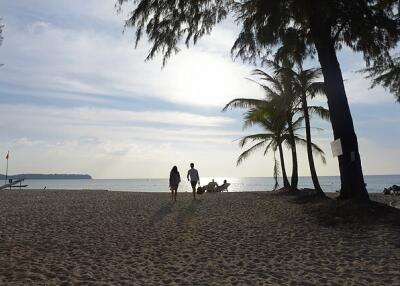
193	177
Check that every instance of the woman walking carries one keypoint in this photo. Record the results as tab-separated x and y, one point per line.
174	180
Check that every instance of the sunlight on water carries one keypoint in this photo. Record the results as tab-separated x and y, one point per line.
328	183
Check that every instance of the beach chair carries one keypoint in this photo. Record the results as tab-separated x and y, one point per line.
223	187
211	187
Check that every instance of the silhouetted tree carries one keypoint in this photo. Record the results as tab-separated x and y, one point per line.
305	86
386	72
264	115
280	93
276	134
282	103
312	26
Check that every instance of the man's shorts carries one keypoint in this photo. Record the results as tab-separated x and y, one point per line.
193	183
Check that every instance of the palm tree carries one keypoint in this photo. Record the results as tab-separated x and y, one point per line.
282	95
278	133
287	94
306	86
262	116
313	28
280	99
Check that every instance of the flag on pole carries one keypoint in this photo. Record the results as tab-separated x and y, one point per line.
8	155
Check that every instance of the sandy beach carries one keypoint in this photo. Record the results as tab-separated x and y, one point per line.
113	238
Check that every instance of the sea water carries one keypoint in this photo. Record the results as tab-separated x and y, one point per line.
328	184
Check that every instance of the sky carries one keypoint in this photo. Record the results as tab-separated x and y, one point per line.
77	97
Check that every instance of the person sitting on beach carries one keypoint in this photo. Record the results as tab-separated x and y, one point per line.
193	177
211	186
223	187
174	180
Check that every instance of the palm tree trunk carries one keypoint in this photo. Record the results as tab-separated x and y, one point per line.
351	175
295	173
284	175
313	172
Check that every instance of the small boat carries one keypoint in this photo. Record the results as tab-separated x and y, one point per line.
13	184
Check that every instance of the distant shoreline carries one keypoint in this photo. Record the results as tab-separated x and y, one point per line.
47	177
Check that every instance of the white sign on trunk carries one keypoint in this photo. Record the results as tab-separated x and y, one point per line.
336	147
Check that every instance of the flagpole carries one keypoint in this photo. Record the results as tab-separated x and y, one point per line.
5	182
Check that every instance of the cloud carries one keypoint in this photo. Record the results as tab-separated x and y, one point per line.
73	53
378	159
90	63
39	116
358	90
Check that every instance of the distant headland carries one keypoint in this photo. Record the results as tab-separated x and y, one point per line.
47	177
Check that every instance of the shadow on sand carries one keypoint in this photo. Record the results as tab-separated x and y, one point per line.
161	213
187	213
331	212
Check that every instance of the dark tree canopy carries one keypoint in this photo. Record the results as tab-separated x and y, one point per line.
367	26
297	29
169	22
386	72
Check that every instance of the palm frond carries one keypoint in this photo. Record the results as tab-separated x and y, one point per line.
321	111
298	123
318	151
315	148
316	88
262	136
263	75
249	151
242	103
270	145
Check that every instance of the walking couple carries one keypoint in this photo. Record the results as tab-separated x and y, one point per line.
175	179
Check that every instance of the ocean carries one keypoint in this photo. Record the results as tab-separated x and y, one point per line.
328	184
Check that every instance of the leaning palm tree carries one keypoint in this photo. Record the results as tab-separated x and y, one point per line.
281	94
306	86
280	97
287	92
276	134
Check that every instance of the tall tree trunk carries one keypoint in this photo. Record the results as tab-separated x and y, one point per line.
351	175
313	172
295	172
284	175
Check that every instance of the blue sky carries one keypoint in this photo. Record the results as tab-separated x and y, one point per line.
76	97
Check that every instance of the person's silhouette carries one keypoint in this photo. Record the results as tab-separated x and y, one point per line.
174	180
193	177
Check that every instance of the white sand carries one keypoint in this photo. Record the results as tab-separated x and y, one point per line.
102	238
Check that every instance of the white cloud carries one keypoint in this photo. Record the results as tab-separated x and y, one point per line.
75	51
90	63
39	116
89	140
38	27
358	90
378	159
